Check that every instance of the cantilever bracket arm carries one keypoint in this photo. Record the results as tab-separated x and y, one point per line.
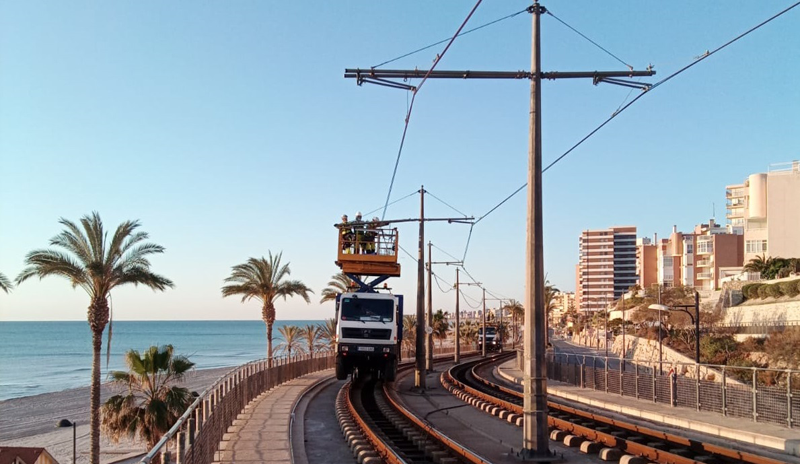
623	83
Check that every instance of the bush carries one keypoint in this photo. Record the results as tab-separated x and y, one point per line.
750	291
774	290
790	288
762	291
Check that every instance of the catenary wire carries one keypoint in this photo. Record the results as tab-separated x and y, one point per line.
448	254
445	40
414	96
590	40
626	106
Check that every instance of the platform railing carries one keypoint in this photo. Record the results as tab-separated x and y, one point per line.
754	393
195	437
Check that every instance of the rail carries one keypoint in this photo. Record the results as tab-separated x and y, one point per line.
758	394
195	437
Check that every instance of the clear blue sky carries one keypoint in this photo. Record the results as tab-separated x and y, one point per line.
228	130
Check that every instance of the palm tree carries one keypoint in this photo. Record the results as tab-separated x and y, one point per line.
97	265
517	312
328	334
338	284
292	340
440	326
312	335
758	264
5	284
152	404
264	280
409	332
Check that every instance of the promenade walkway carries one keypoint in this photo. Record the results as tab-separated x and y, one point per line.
261	432
767	435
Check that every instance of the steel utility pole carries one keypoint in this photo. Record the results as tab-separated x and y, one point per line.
458	326
457	356
430	303
429	326
419	371
483	326
535	437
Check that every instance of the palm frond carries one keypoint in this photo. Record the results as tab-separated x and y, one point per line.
5	283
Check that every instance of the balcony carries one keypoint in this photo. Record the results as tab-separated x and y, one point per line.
704	263
704	276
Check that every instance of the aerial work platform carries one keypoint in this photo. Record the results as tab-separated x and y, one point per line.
367	250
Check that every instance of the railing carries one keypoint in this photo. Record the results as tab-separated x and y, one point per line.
195	437
761	395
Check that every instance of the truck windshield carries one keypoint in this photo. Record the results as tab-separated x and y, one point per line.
489	330
367	309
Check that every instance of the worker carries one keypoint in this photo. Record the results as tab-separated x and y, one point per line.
346	232
370	235
359	230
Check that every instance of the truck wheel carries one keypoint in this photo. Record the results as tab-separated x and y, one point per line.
390	371
341	372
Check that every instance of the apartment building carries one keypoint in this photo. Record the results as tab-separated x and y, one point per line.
765	208
563	303
690	259
607	266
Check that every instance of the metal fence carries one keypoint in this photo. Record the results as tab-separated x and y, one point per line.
195	438
757	394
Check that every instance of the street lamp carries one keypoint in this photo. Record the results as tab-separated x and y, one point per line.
73	424
695	320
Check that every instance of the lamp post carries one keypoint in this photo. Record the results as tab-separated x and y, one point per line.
695	320
73	424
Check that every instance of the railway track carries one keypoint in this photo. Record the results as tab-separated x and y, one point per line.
594	433
380	429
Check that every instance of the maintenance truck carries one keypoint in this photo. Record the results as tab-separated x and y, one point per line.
493	340
369	319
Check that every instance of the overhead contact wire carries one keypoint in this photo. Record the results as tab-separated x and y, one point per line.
414	96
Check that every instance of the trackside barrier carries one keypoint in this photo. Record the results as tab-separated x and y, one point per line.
195	437
757	394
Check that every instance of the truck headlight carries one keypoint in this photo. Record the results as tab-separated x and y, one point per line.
387	349
344	348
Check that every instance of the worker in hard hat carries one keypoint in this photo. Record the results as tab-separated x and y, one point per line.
360	233
370	236
346	231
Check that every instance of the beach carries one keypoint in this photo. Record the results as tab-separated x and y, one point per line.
31	421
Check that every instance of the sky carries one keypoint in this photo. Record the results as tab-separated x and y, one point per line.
228	130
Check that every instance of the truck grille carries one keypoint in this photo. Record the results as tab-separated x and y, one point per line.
369	334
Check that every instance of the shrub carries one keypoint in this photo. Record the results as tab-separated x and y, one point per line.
750	291
790	288
774	290
762	291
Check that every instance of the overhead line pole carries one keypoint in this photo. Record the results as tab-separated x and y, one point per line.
430	304
458	325
535	437
419	370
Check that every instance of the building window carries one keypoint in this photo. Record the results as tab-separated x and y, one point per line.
755	246
689	248
705	246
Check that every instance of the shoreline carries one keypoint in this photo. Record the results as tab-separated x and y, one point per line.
30	420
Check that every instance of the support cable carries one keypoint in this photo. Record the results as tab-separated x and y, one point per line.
626	106
445	40
448	254
445	203
590	40
415	192
414	96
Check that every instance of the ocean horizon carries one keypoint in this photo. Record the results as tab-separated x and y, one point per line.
44	357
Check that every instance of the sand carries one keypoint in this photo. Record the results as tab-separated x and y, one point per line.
30	421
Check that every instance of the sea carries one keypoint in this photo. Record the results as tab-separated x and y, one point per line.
43	357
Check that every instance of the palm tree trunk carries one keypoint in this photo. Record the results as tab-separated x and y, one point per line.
98	318
268	313
97	344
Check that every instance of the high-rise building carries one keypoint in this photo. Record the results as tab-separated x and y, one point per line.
765	208
563	303
646	261
607	266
